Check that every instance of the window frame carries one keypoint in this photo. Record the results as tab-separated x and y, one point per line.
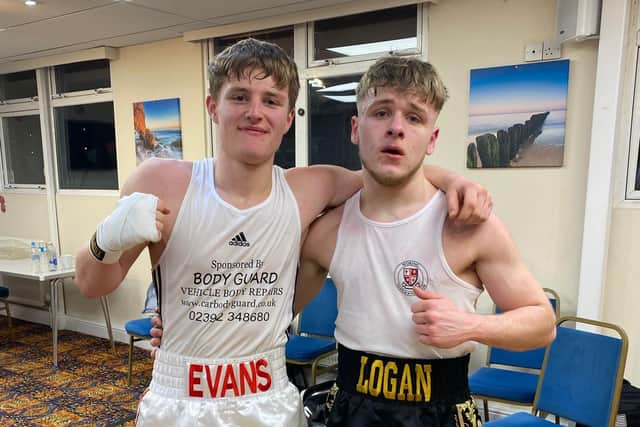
20	101
308	70
56	95
68	99
6	185
417	51
631	193
70	102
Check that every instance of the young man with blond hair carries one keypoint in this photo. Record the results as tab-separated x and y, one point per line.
224	237
408	277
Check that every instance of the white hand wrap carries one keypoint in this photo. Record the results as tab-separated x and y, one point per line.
132	222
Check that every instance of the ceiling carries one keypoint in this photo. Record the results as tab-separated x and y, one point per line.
61	26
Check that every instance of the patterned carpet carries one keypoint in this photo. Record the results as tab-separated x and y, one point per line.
88	389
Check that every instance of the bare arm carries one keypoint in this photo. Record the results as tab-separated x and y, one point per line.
320	187
315	257
467	201
95	278
528	320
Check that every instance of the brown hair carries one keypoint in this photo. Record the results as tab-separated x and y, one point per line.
404	74
248	55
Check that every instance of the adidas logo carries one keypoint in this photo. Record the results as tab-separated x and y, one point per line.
239	240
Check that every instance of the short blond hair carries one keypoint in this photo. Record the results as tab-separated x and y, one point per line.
404	74
248	55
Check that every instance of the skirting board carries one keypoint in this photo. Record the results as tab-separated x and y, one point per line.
70	323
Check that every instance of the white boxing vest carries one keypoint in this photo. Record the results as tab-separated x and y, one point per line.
375	266
226	277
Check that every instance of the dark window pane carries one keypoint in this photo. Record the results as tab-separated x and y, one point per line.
332	103
372	32
23	148
82	76
286	154
18	85
86	146
283	37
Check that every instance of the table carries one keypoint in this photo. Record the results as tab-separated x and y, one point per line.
22	268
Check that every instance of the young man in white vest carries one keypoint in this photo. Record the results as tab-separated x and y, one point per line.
408	277
224	237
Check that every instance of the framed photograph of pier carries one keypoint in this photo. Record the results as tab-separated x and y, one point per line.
517	115
157	129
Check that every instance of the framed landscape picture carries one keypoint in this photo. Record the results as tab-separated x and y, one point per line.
157	129
517	115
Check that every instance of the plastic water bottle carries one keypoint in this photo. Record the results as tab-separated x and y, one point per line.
44	260
35	258
53	257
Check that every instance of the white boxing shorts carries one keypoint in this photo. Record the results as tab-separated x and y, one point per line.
252	391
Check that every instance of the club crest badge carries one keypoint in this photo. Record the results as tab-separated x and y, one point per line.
409	274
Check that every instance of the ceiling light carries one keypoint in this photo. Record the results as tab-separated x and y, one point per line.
30	2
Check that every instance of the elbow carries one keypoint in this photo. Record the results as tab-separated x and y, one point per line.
550	328
83	283
84	279
551	336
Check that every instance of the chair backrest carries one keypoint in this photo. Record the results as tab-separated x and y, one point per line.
319	316
582	374
523	359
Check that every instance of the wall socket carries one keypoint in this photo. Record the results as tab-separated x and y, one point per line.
533	52
551	50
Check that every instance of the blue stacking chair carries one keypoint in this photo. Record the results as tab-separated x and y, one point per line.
513	381
4	294
138	330
314	339
581	377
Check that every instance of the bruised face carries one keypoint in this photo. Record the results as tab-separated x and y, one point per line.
393	131
252	115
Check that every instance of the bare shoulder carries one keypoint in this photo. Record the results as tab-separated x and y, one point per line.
488	239
310	188
302	179
159	177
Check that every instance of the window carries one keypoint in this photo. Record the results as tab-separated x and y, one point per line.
366	35
332	100
283	37
633	168
82	76
86	146
24	165
18	86
331	55
85	138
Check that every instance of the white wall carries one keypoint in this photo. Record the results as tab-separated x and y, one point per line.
168	69
542	207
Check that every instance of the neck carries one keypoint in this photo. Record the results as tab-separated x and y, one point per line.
242	185
387	203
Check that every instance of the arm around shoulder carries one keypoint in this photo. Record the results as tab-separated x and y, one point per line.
320	187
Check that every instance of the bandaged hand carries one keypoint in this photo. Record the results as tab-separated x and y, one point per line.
135	220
